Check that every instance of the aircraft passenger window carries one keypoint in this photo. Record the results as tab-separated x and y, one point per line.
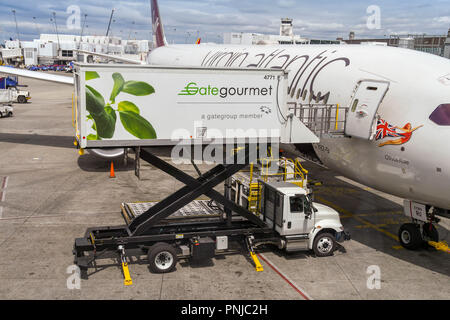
355	104
296	204
441	116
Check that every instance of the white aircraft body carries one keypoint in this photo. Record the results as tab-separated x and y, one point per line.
411	87
405	154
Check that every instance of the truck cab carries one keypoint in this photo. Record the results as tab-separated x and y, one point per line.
20	96
300	223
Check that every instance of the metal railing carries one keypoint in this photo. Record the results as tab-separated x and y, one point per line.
321	119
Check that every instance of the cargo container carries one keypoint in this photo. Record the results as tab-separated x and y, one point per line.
129	106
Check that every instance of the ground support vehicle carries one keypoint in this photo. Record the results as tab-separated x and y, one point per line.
161	231
6	111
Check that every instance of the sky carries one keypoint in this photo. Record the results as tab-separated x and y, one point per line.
184	20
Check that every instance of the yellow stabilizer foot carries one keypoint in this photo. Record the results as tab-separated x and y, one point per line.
440	246
258	265
126	273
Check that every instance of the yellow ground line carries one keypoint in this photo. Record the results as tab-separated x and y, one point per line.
349	214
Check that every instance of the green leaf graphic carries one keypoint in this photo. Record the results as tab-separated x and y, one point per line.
106	125
137	88
95	103
110	111
119	82
92	137
91	75
137	126
104	120
125	106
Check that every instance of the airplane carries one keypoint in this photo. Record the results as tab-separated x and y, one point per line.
398	119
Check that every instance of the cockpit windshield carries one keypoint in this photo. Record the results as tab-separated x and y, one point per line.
441	116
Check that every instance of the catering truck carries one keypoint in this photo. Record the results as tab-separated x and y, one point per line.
231	117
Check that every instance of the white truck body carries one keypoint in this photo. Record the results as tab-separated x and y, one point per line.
6	96
161	106
13	95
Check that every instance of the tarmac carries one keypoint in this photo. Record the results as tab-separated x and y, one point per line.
50	196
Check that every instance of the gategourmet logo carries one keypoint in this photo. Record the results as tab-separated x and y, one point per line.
192	89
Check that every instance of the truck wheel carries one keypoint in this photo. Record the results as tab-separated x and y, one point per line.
162	258
409	236
432	235
22	99
10	114
324	245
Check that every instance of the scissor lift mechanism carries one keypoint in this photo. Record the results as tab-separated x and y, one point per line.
140	233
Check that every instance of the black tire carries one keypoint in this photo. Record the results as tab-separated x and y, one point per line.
431	235
22	99
324	245
10	114
162	258
409	236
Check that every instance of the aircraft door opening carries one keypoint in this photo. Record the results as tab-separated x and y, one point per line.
362	115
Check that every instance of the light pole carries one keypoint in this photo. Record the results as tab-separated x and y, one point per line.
129	35
56	28
17	26
82	31
37	27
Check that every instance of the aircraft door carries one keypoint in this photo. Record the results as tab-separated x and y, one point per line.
362	116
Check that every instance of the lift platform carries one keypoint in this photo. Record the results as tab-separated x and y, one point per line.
198	209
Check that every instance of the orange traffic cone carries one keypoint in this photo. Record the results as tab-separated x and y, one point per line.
112	175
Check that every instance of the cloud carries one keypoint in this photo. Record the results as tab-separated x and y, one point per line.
443	20
325	19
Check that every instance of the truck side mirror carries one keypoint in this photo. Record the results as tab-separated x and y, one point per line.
308	213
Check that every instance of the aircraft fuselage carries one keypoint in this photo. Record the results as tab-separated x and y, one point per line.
415	165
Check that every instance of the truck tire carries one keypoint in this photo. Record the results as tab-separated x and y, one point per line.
324	245
432	235
21	99
10	114
409	236
162	258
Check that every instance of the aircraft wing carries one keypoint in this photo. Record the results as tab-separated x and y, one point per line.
37	75
126	60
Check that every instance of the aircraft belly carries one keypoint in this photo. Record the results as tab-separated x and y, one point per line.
381	169
359	161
